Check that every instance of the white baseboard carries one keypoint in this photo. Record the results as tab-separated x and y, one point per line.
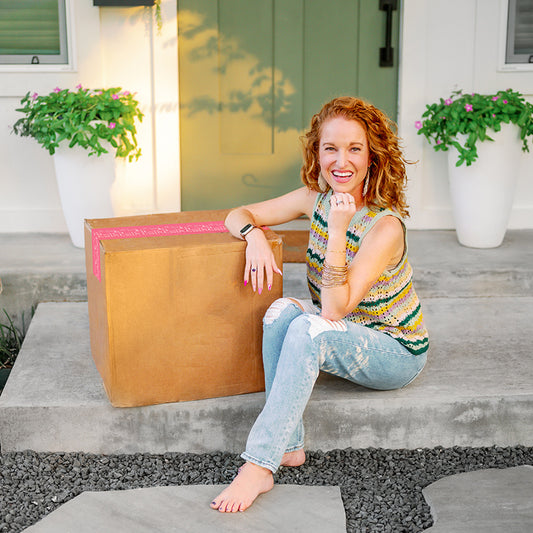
32	221
52	221
442	219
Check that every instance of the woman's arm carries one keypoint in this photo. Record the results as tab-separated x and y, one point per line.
381	248
259	254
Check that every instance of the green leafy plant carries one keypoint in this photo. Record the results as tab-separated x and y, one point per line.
11	339
474	115
85	117
158	17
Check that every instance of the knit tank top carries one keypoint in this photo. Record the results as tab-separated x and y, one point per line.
391	305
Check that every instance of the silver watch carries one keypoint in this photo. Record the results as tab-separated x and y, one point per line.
246	229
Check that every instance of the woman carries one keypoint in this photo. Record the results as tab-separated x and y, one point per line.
365	324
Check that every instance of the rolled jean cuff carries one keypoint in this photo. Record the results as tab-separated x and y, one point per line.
265	464
295	448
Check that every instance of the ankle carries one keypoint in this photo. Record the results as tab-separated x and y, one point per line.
256	469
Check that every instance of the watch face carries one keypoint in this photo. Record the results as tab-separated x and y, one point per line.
246	229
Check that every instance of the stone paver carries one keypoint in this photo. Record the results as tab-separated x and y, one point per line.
484	501
185	509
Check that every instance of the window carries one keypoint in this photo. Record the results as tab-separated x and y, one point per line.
33	32
519	47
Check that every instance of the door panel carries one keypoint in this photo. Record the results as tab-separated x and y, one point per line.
252	73
330	52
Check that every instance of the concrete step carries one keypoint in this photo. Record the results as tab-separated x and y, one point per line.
477	390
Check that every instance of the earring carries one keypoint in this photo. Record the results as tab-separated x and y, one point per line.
322	183
367	179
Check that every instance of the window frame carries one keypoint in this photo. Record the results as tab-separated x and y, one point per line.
506	39
66	30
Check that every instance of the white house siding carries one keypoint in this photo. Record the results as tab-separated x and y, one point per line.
444	45
112	47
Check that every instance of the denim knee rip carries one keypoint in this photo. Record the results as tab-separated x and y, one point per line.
318	325
275	310
277	307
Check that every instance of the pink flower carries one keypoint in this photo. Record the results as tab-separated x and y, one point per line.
469	107
418	124
112	125
78	86
34	96
115	96
494	98
439	141
493	115
57	90
505	101
126	93
448	101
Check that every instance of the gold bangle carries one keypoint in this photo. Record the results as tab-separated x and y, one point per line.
334	276
336	251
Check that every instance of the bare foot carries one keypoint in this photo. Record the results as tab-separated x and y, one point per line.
251	481
295	458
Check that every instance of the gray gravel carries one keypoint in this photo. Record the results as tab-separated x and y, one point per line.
381	489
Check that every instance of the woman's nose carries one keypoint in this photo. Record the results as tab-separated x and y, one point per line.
341	158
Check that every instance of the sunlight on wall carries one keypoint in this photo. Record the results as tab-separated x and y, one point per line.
146	66
235	140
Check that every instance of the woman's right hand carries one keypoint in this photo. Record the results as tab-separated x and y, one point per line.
260	261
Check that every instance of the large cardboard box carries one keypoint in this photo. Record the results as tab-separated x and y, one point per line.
170	317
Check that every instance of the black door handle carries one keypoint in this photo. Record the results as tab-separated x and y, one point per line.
386	54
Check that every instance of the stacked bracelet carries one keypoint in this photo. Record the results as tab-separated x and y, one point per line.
334	276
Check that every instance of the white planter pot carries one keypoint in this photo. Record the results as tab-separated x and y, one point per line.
482	194
84	185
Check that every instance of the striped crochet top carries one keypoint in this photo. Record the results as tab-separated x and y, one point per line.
391	305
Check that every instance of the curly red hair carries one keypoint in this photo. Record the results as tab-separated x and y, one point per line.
387	178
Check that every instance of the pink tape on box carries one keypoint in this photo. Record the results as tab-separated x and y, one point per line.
161	230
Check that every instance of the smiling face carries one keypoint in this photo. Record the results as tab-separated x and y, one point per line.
344	155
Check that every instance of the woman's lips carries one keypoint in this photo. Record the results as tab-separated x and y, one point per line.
341	176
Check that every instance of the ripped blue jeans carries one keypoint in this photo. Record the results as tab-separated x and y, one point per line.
297	343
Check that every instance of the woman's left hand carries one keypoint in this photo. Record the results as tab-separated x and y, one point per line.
342	209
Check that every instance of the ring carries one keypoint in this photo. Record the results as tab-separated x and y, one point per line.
253	269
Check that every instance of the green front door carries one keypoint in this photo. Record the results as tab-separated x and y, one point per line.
251	75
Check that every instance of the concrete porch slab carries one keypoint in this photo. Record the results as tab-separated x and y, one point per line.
476	390
186	509
47	267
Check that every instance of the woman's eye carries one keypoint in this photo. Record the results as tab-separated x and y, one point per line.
329	149
356	149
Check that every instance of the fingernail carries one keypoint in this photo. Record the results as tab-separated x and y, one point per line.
245	282
260	290
269	287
